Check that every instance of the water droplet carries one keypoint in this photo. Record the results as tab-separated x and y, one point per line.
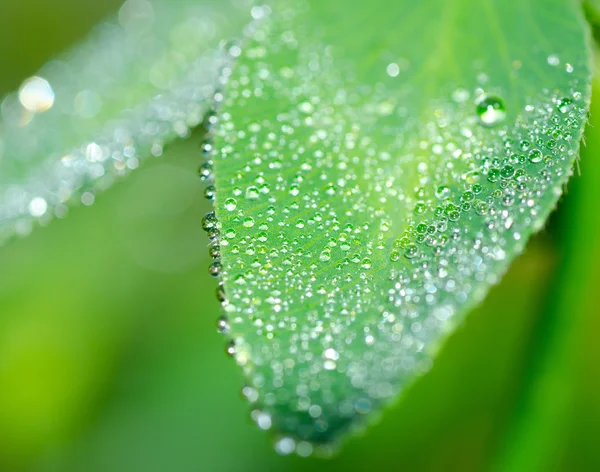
222	325
210	192
214	251
252	193
480	207
209	221
285	446
263	420
493	174
460	95
442	192
38	207
230	204
220	293
553	60
420	208
507	172
215	269
411	251
472	177
205	171
36	95
393	69
331	353
490	110
535	156
325	255
564	104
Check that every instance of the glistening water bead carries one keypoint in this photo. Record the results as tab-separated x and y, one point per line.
491	110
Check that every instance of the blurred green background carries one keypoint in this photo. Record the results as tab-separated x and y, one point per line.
110	361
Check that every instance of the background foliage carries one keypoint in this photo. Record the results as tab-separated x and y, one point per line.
109	358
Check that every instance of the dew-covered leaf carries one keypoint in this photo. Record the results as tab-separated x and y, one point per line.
377	165
89	116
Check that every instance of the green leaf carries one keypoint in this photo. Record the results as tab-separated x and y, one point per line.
592	10
377	168
90	116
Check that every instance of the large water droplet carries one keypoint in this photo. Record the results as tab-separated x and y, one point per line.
490	110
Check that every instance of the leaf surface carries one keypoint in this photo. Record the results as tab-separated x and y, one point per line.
378	166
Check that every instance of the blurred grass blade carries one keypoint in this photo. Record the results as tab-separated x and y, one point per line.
377	168
89	116
592	10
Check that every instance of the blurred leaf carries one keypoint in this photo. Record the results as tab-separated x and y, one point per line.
377	168
592	8
78	298
91	115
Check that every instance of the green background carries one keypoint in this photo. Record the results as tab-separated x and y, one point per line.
110	361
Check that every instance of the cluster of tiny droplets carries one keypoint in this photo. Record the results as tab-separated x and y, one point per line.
210	223
341	277
91	115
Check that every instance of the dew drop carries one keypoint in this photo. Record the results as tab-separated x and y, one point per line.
480	207
535	156
215	269
507	172
220	293
472	177
38	207
553	60
460	95
285	446
490	110
493	174
209	221
36	95
393	69
442	192
230	204
205	171
564	105
252	193
325	255
214	251
210	192
411	251
222	325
